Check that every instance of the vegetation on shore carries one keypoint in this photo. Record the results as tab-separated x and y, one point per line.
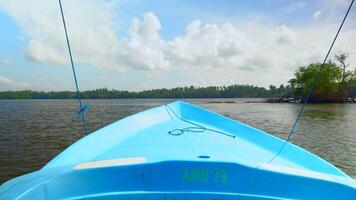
336	83
233	91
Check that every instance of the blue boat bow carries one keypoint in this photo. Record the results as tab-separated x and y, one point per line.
181	151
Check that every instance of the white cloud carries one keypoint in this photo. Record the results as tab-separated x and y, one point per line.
144	48
251	52
283	35
208	45
341	2
293	7
103	78
39	52
9	84
317	14
6	61
92	34
90	28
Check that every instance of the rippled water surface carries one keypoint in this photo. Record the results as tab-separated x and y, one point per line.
34	131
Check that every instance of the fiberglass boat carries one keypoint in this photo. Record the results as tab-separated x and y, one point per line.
181	151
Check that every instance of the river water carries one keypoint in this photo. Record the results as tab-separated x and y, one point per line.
34	131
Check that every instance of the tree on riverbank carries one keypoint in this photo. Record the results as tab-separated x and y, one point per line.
335	84
348	76
352	86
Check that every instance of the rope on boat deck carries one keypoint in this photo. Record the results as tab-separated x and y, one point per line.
193	129
315	82
196	128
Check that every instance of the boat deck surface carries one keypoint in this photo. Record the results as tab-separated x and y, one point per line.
181	131
181	151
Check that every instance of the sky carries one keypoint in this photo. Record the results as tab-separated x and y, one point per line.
139	45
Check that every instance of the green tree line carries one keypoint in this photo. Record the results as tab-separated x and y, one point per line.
232	91
335	84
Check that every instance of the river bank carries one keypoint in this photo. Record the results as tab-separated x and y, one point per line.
287	100
311	100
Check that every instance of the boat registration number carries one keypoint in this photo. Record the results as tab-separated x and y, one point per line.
201	175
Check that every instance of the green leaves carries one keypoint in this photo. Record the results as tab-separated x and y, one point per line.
328	86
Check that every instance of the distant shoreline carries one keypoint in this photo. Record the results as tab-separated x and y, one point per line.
283	94
216	100
231	91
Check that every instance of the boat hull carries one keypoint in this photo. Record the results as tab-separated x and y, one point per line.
181	180
181	151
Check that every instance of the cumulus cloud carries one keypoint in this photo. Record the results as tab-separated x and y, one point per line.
6	61
317	14
94	40
9	84
270	49
92	33
229	50
89	23
225	46
208	45
283	35
39	52
341	2
144	46
293	7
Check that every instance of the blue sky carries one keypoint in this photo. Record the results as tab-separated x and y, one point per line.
137	45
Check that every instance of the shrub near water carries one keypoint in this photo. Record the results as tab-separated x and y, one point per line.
329	85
